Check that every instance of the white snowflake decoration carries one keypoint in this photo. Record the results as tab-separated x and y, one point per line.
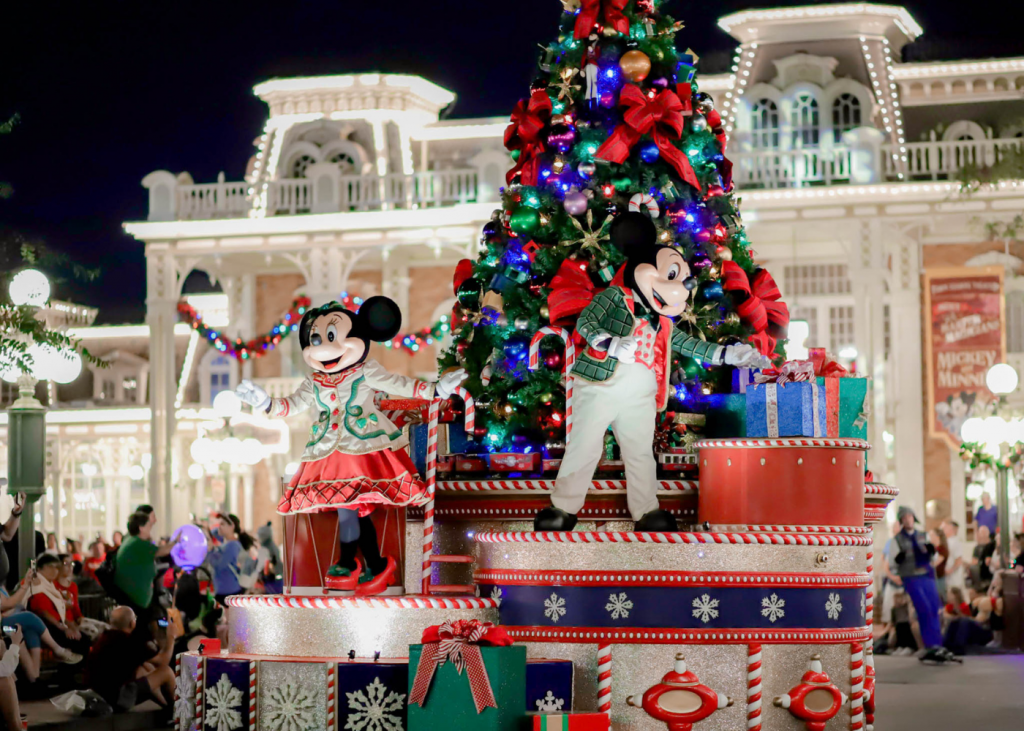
496	593
185	705
554	608
289	707
550	704
833	606
705	608
619	606
373	711
221	702
772	608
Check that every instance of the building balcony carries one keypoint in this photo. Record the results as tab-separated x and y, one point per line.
172	198
867	163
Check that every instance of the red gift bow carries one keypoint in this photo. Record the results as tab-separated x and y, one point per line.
459	642
763	306
662	117
825	365
524	134
613	16
790	371
572	290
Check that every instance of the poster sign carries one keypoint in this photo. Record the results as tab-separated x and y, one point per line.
965	337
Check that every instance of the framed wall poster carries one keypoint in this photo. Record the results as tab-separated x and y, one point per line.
964	337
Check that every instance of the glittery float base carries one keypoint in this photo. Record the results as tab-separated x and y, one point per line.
333	630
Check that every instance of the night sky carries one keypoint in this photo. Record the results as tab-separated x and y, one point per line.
110	91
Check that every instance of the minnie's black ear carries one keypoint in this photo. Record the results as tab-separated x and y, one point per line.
381	318
633	231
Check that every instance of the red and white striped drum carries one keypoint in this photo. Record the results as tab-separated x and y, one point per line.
795	481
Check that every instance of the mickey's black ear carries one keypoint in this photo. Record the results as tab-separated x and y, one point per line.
632	231
381	318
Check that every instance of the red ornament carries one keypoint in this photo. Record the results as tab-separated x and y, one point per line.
815	700
553	359
680	699
463	271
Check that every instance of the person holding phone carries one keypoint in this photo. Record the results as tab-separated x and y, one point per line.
32	630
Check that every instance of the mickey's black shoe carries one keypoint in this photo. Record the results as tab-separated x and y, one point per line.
553	519
657	521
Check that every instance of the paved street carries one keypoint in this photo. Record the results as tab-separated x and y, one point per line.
985	693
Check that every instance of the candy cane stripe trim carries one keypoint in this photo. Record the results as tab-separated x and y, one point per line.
351	602
779	539
858	444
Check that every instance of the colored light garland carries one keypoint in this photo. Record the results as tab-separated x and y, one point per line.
412	342
245	349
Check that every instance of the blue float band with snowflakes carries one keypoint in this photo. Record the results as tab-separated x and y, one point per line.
690	607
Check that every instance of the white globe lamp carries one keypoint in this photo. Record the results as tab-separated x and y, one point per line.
136	473
196	471
226	404
29	287
1001	378
252	451
203	451
51	364
973	430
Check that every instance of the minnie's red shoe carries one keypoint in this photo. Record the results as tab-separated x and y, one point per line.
344	583
379	582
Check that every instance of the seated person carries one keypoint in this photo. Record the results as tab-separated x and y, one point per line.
10	710
65	583
902	638
124	671
51	605
33	632
956	605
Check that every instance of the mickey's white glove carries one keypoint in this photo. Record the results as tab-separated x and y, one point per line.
623	349
249	393
745	356
449	382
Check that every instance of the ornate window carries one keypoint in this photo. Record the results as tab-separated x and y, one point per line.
220	376
805	121
846	114
764	124
344	161
300	164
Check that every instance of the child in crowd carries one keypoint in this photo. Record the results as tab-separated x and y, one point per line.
901	631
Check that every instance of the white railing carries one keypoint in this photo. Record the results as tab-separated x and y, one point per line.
213	200
353	193
944	159
278	387
791	168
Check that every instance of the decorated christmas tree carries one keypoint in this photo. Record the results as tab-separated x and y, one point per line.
615	122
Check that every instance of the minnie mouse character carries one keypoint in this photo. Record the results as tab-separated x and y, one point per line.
622	377
355	458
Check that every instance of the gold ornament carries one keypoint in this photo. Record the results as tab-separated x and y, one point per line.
544	312
635	65
732	319
588	237
565	86
725	254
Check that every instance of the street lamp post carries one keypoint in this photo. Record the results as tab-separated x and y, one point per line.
26	417
998	436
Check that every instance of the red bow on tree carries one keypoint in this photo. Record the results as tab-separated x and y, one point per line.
760	305
524	134
661	115
571	291
458	642
612	13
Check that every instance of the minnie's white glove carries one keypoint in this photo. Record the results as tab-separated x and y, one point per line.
743	355
449	382
623	349
249	393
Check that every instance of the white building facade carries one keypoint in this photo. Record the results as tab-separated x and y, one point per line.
847	161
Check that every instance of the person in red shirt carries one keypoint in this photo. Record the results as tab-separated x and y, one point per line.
52	605
956	604
66	585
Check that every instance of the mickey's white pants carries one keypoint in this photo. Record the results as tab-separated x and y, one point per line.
628	403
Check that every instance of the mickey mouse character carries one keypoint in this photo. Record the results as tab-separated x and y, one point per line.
355	458
622	376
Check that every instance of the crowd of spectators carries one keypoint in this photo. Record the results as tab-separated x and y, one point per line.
938	602
108	622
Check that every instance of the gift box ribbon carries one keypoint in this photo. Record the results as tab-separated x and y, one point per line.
459	642
825	366
793	370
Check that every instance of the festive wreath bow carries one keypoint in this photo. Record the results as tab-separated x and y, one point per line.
592	9
459	642
761	308
524	134
661	115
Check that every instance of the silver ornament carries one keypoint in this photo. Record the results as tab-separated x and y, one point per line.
586	169
699	123
522	323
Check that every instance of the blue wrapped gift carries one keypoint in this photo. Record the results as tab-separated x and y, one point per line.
793	409
452	439
549	686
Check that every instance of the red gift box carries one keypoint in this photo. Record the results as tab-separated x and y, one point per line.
470	464
209	647
572	722
515	462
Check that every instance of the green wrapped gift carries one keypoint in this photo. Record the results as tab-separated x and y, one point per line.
468	675
846	406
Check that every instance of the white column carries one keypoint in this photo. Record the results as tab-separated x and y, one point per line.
868	275
247	489
395	282
957	488
161	315
907	400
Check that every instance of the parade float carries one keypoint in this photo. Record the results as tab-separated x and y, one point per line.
443	567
